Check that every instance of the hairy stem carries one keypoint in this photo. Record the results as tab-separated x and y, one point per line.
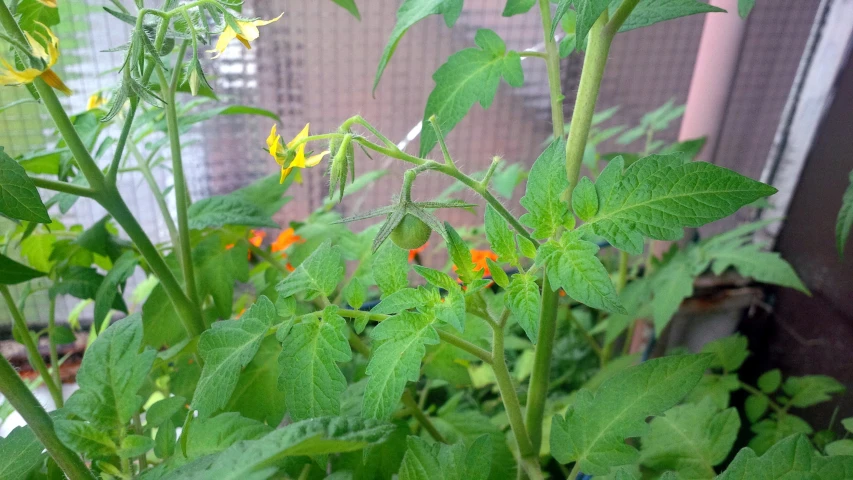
415	409
30	344
54	356
25	403
63	187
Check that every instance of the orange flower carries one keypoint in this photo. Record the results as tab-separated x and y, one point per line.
289	267
257	237
479	257
415	251
286	239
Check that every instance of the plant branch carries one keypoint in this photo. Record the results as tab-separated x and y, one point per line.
63	187
552	59
54	356
754	391
145	169
112	173
23	400
32	349
420	416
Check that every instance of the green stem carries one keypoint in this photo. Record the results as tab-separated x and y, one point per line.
25	403
754	391
32	349
552	60
54	356
575	471
112	173
585	334
159	198
63	187
415	411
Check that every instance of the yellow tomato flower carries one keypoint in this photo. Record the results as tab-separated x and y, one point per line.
248	33
10	75
97	100
294	155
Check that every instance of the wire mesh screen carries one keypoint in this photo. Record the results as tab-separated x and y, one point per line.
317	65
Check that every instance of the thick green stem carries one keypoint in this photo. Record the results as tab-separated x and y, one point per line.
552	59
32	348
54	355
63	187
112	173
25	403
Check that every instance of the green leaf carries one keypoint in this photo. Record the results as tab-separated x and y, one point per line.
350	6
20	453
134	446
396	359
452	309
716	387
257	395
85	437
112	372
500	236
12	272
772	430
470	76
99	238
690	439
523	299
650	12
517	7
221	210
840	447
355	293
811	389
258	459
770	381
425	461
845	217
729	352
32	11
765	267
659	195
671	283
266	193
437	278
543	199
390	268
319	274
755	407
588	12
792	457
160	412
165	440
226	348
405	299
18	195
461	256
744	7
83	283
584	199
218	269
108	289
310	377
215	434
410	13
594	429
574	267
497	272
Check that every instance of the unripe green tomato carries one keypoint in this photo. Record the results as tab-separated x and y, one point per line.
410	233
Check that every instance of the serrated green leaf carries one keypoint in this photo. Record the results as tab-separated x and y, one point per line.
226	348
160	412
792	457
108	289
526	247
744	7
574	267
85	437
410	13
257	395
594	429
112	372
258	459
470	76
134	446
497	272
771	431
543	199
500	236
670	285
355	293
523	299
451	309
461	256
405	299
20	453
716	387
218	211
19	197
83	283
396	359
320	273
588	12
12	272
729	352
755	407
517	7
845	217
765	267
390	268
218	268
650	12
770	381
584	199
437	278
811	389
215	434
659	195
310	377
425	461
690	439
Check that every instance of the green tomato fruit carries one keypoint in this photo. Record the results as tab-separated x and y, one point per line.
410	233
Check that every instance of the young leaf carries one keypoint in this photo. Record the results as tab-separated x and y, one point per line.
134	446
85	437
112	372
690	439
770	431
215	434
405	299
355	293
451	309
744	7
729	352
671	284
318	274
469	76
18	195
310	377
350	6
659	195
497	272
500	236
584	199
108	289
461	256
425	461
755	407
218	211
517	7
811	389
12	272
770	381
20	453
792	457
765	267
543	198
845	217
437	278
522	299
410	13
574	267
390	268
650	12
226	348
588	12
396	359
594	429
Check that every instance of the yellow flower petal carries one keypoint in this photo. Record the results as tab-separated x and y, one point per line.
302	135
224	39
51	78
284	173
313	160
248	33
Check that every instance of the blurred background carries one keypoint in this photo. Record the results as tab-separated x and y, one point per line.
318	63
